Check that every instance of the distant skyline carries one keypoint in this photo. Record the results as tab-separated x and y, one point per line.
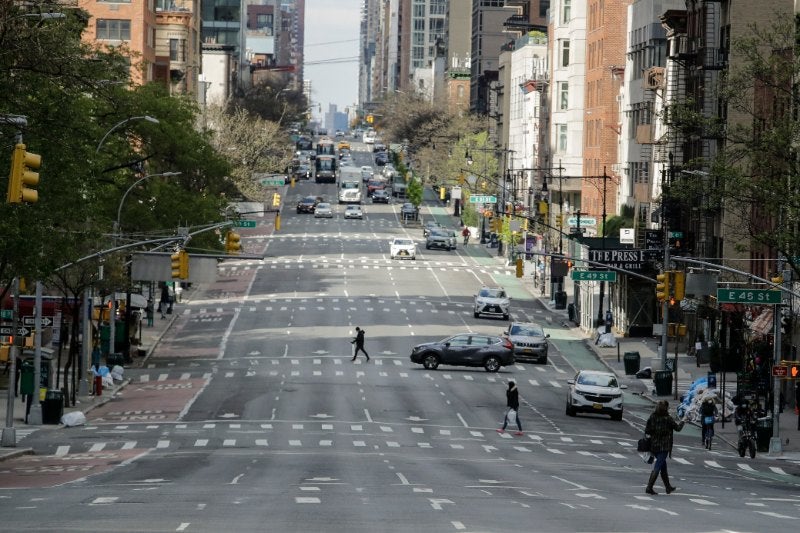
332	29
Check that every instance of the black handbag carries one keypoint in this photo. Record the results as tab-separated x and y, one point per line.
644	444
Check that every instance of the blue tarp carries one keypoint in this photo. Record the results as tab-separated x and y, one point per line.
687	398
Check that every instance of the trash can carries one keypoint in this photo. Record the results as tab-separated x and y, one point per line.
571	312
632	362
494	240
560	299
763	434
663	382
26	378
53	407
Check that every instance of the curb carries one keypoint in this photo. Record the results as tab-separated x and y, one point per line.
106	399
16	453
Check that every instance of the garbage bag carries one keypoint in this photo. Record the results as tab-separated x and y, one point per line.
117	373
74	418
607	340
645	373
108	381
102	371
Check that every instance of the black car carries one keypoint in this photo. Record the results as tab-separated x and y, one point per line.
381	158
409	211
309	204
465	349
302	172
380	196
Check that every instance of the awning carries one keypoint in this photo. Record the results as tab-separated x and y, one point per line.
762	324
137	300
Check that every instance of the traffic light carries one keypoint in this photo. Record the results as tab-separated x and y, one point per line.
663	286
678	284
232	244
442	193
179	262
794	371
276	200
22	178
370	119
559	220
520	269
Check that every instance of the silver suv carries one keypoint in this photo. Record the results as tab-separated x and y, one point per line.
492	301
441	238
529	340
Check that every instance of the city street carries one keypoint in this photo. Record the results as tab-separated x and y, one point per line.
250	414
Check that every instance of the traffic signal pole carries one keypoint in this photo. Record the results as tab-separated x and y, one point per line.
9	438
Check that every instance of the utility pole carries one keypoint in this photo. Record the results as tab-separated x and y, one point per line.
665	229
603	241
9	438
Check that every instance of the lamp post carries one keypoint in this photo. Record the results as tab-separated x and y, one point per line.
135	183
148	118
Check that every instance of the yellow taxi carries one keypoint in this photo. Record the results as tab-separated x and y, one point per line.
344	145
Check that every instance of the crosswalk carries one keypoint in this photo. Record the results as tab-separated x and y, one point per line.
382	437
390	367
240	268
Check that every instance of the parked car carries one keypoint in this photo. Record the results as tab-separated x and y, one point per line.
409	211
441	238
380	196
402	248
429	226
323	210
308	204
594	391
465	349
492	301
529	340
353	211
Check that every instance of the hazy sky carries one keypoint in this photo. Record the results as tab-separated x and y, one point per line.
331	52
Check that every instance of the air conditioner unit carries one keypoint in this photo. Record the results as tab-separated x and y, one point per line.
615	168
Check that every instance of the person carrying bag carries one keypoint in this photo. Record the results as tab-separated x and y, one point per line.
512	411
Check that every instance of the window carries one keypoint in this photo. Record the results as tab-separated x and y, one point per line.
565	53
562	138
566	11
173	49
113	29
563	95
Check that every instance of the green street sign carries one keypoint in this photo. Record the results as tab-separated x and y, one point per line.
272	182
749	296
594	275
7	314
244	223
676	235
482	199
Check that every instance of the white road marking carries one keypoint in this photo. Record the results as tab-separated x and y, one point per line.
776	515
681	460
778	470
262	442
458	525
417	430
392	444
555	451
162	444
163	377
325	442
235	480
62	451
229	442
102	500
307	500
356	427
745	466
463	422
97	446
201	442
359	443
713	464
701	501
555	384
183	526
533	382
295	443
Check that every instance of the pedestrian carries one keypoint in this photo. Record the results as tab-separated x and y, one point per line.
659	428
512	404
359	342
148	312
164	301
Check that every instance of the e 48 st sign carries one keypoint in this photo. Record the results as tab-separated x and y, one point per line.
749	296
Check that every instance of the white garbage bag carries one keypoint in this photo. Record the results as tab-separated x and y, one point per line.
108	381
74	418
117	372
606	340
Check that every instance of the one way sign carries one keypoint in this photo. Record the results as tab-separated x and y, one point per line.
22	332
31	321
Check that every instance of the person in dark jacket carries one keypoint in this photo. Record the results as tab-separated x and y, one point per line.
660	427
512	403
708	414
359	342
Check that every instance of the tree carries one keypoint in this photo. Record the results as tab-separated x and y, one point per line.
272	101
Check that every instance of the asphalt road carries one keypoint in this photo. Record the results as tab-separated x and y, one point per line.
250	415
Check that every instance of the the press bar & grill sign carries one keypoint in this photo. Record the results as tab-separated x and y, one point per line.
625	259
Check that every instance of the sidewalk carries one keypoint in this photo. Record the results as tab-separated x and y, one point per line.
688	370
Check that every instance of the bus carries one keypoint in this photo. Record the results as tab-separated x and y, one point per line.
326	147
325	169
350	186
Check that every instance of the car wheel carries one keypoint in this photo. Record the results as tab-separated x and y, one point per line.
430	361
543	360
616	416
570	410
492	364
427	247
476	314
413	257
505	317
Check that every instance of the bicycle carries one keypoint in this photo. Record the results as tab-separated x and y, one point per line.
466	240
708	432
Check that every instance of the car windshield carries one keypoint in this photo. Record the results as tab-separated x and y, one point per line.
526	330
309	200
353	208
597	380
493	293
403	242
324	206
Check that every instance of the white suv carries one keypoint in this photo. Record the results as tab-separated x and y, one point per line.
594	391
492	301
402	248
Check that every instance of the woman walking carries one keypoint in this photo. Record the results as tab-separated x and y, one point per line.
659	427
512	404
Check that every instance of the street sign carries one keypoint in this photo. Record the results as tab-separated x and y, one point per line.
780	371
7	314
31	320
272	182
584	221
244	223
676	235
749	296
23	332
594	275
482	199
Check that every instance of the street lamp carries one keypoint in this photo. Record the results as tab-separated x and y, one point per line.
143	117
135	183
